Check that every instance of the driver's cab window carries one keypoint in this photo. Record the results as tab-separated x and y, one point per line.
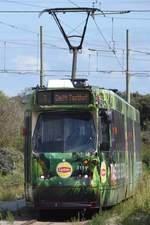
104	134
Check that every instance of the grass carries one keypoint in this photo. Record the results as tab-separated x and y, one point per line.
7	216
146	154
12	185
11	193
101	218
137	209
10	217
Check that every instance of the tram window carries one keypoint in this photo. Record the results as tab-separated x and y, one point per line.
64	132
104	124
137	141
130	134
118	131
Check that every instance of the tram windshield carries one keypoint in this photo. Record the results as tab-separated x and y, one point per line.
64	132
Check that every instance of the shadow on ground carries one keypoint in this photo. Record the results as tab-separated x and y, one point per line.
27	214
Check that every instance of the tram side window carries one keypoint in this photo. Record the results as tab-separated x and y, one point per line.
137	141
104	124
118	131
130	134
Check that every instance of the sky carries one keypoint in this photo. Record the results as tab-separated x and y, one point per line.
102	59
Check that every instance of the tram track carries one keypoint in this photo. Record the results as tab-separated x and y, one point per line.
29	222
35	222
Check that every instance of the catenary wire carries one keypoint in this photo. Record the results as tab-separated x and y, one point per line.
110	48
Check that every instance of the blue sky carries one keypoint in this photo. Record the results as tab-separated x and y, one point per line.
19	45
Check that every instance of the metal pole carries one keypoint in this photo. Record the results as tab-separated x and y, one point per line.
74	63
127	68
41	56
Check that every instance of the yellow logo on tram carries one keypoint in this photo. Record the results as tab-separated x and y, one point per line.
64	169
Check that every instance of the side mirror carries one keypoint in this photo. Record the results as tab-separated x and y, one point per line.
106	115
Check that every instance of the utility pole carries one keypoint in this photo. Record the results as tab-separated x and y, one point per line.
127	68
41	56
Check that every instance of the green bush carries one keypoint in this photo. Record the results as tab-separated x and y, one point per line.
11	121
11	174
146	137
141	102
8	160
146	155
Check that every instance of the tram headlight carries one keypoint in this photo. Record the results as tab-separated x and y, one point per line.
80	176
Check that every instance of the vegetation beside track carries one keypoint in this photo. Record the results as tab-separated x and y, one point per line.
11	178
11	147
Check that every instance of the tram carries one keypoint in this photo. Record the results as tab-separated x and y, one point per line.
82	147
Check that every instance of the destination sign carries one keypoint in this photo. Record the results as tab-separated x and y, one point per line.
63	97
71	97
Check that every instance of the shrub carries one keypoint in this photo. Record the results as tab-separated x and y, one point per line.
146	155
11	177
11	121
8	160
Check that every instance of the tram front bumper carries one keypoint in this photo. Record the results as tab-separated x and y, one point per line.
67	205
66	198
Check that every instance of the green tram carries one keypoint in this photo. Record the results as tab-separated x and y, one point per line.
82	147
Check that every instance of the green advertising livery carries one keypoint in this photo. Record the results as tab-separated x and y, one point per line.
82	147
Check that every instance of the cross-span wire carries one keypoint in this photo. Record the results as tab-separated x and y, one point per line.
73	3
110	48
